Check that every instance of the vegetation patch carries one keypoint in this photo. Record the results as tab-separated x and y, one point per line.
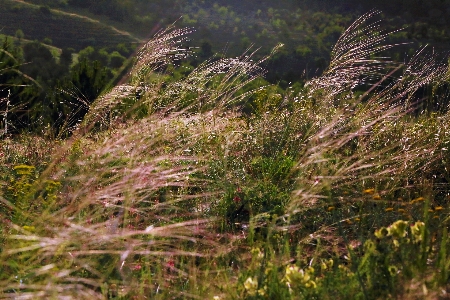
215	184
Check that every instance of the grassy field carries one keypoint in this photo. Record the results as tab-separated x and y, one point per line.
170	189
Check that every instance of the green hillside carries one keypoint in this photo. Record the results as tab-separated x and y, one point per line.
64	29
308	29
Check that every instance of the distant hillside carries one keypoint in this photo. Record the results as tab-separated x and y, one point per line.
64	29
307	28
229	25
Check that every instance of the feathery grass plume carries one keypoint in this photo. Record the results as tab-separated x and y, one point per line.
371	138
106	108
422	69
163	49
351	63
215	83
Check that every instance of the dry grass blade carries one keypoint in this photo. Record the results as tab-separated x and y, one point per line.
215	83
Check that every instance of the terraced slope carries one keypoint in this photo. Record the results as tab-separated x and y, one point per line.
65	29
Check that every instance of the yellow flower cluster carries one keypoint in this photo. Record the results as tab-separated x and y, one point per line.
251	286
398	230
296	277
417	230
326	264
24	170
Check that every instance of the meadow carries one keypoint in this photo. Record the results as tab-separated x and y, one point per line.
216	186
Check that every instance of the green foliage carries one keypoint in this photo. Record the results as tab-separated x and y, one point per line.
23	195
12	94
386	265
116	60
40	63
44	91
18	192
19	34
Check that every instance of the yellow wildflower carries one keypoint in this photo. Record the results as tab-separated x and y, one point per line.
417	230
24	169
311	284
398	229
396	243
330	262
295	276
251	286
293	273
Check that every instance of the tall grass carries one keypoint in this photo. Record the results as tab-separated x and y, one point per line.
167	190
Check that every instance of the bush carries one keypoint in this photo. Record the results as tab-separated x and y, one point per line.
116	60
